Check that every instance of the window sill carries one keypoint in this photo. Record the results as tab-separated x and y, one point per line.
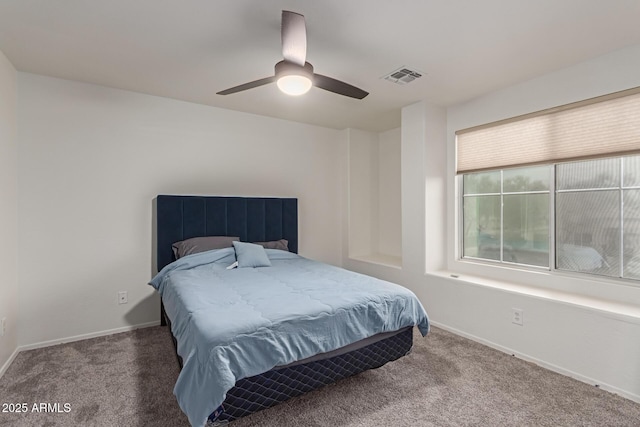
626	312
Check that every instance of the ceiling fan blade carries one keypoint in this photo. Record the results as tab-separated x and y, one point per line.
249	85
336	86
294	38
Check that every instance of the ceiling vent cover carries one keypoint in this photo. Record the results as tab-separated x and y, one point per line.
403	75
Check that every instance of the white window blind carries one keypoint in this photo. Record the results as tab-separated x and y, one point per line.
604	126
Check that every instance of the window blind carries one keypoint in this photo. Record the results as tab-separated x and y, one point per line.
597	127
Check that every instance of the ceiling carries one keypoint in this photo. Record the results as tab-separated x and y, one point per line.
191	49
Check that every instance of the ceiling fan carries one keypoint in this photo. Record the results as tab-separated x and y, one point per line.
294	75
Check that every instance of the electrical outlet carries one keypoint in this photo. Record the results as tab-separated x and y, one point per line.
122	297
517	316
3	326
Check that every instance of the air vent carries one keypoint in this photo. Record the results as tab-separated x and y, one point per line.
403	75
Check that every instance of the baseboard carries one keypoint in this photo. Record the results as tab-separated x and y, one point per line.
87	336
6	365
72	339
542	363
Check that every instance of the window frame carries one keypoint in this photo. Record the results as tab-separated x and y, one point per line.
552	234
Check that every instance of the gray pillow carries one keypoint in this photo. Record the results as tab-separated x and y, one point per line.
202	244
251	255
281	244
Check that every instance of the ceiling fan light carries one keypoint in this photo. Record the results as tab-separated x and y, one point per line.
294	84
294	79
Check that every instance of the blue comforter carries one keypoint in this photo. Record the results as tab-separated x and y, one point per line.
232	324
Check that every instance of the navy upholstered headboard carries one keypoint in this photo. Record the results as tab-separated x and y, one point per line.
253	219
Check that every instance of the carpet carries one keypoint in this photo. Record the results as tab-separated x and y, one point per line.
127	379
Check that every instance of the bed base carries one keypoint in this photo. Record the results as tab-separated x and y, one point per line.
259	392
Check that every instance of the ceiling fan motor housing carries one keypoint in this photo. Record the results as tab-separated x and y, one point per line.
286	68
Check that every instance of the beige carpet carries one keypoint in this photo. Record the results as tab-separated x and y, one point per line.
127	380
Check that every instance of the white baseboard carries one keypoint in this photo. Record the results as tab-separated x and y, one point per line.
6	365
72	339
542	363
87	336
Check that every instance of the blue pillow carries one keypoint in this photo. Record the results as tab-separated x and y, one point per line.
250	255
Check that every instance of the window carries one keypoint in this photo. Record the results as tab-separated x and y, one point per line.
598	216
556	189
593	206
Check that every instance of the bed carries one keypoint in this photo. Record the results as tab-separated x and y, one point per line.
232	367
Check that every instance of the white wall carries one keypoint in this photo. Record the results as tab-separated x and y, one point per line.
91	160
363	191
8	209
389	197
374	201
589	329
422	157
